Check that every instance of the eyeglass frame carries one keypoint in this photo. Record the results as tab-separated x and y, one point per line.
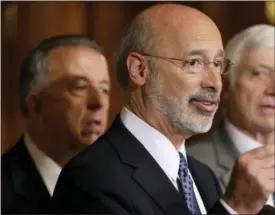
184	62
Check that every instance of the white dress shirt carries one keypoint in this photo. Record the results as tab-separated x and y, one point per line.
48	169
161	149
243	143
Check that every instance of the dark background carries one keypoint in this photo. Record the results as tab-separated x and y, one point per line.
24	24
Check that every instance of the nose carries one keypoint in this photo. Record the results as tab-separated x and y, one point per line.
94	99
270	89
212	80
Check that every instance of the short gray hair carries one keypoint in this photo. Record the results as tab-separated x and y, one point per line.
257	36
34	69
136	37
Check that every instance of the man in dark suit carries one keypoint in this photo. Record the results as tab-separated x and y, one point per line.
140	165
65	104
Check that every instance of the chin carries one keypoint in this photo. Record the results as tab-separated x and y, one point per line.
203	127
194	128
94	138
264	125
266	129
88	137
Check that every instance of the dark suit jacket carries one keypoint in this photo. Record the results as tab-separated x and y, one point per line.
117	175
22	188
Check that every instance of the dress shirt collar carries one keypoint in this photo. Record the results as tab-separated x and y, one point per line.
48	169
242	142
155	143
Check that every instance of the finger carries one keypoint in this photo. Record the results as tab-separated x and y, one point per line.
270	148
266	174
266	182
259	168
269	186
263	151
268	162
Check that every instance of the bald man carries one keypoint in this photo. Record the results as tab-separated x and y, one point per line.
169	60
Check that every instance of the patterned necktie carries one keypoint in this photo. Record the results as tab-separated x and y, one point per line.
186	186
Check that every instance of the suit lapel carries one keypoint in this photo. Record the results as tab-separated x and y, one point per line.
225	178
148	174
26	179
224	152
161	190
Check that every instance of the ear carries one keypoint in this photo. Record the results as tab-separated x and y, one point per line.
137	68
34	105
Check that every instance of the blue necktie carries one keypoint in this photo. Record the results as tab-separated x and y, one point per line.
186	186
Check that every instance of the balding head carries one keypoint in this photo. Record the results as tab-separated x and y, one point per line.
162	29
163	54
169	9
173	15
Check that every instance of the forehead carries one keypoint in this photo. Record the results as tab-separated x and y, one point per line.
77	61
183	37
258	56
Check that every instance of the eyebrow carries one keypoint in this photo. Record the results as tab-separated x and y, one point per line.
204	52
265	66
79	78
104	82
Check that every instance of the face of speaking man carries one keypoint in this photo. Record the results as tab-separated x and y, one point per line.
187	92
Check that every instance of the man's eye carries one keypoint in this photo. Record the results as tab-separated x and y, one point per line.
218	63
194	62
105	91
80	87
259	73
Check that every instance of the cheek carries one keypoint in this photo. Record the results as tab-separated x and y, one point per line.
106	102
70	110
104	110
75	112
248	96
54	111
180	86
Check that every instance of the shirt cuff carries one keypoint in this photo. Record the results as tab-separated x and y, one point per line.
227	207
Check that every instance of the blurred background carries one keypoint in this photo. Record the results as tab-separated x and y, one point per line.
24	24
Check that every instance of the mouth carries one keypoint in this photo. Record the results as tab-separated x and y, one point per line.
205	105
268	108
93	127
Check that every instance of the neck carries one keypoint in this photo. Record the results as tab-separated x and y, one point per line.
144	110
261	137
52	147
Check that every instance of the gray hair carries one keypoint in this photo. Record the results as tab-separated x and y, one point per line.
258	36
136	37
34	69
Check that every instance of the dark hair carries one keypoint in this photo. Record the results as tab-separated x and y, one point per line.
35	66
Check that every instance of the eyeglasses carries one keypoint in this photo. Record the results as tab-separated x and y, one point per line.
197	65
